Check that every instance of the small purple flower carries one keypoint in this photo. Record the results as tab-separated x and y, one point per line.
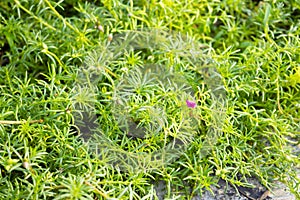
190	104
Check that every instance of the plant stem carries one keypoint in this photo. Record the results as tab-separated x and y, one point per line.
20	122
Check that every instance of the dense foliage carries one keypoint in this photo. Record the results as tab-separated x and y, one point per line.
45	45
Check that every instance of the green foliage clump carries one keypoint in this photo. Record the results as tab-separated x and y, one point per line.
44	45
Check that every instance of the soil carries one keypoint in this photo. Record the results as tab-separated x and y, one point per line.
228	192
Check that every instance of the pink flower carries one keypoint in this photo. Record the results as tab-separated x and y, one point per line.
100	28
190	104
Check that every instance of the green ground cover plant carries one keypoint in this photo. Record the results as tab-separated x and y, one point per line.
45	46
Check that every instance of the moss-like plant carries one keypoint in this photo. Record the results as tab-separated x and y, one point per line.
47	47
